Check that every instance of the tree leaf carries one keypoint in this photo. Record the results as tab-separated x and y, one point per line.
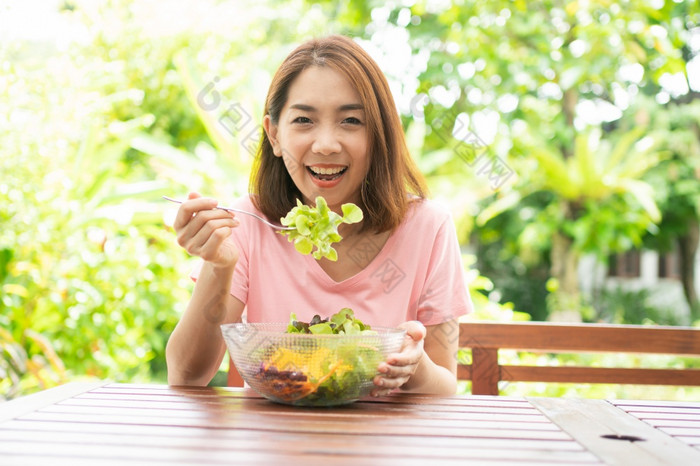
502	204
644	194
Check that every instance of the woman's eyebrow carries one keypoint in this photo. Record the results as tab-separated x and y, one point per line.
342	108
347	107
303	107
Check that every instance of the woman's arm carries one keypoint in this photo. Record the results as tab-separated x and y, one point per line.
196	347
426	364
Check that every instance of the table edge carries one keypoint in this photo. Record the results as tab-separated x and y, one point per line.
14	408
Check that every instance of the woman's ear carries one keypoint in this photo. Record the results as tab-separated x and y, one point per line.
271	131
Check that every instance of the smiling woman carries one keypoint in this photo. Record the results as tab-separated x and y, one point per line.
336	68
331	134
322	128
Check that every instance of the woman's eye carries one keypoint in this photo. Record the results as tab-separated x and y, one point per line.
302	120
352	121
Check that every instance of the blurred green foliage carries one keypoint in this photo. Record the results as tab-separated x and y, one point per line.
148	100
576	99
94	131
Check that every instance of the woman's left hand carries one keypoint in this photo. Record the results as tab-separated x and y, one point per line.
399	367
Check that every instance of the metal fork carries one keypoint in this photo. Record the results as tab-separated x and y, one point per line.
231	209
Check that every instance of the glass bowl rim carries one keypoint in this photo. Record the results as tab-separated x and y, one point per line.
277	329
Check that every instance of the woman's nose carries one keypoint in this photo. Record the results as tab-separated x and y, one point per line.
326	142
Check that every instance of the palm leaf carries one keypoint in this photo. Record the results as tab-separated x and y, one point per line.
47	351
500	205
582	166
557	175
644	194
622	149
193	85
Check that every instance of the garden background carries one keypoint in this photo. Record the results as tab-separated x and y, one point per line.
553	130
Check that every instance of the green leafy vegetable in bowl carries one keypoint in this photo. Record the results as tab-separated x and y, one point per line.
318	227
344	322
323	362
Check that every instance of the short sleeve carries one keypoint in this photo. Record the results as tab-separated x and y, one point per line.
445	295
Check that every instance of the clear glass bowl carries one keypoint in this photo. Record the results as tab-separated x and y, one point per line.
308	370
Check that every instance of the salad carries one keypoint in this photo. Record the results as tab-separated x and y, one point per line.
326	374
317	227
344	322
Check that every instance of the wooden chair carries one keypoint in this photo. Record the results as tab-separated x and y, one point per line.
234	378
485	339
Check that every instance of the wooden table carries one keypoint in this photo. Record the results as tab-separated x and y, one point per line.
97	424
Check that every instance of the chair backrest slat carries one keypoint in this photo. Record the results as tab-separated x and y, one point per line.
581	337
485	339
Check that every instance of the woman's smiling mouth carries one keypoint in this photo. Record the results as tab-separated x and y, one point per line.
326	174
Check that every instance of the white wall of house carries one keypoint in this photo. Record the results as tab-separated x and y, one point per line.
666	293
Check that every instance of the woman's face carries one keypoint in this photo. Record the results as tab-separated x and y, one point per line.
322	136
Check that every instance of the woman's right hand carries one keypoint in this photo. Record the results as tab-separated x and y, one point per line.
204	231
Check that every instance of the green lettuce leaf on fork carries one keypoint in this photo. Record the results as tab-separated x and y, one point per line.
317	227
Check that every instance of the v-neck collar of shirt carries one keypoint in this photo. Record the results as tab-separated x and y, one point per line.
318	271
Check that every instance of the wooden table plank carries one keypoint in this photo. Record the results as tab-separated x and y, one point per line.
261	404
167	434
223	394
660	417
536	421
656	403
658	409
13	408
681	420
501	430
693	441
172	402
589	420
14	442
687	431
265	460
672	423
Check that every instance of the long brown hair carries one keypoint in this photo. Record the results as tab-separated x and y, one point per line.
392	177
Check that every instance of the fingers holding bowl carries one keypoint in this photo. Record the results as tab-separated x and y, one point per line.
400	367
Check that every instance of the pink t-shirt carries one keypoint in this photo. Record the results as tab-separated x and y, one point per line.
417	275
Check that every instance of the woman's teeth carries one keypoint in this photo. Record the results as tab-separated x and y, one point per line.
327	173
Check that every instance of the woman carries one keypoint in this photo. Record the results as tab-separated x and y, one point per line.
331	129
